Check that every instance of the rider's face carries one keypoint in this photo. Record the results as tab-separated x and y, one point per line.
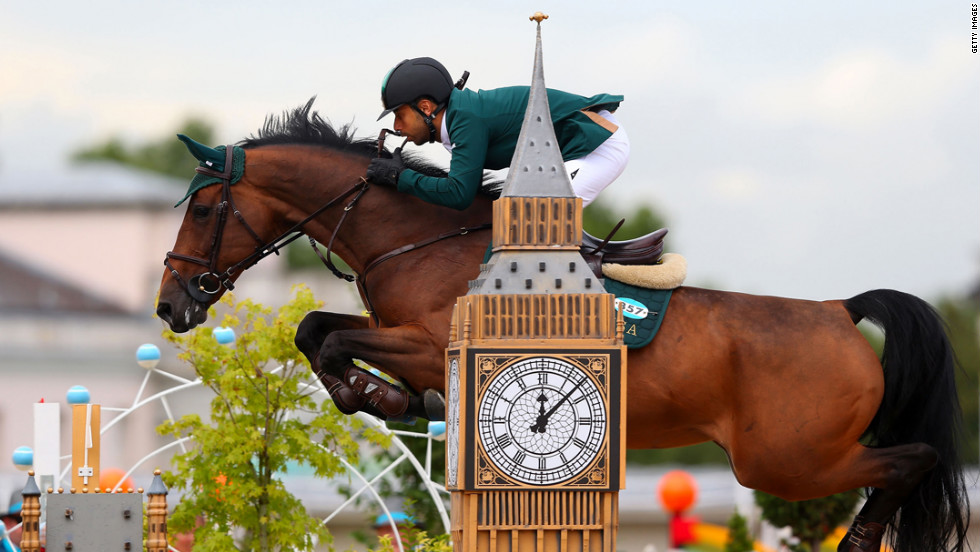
411	125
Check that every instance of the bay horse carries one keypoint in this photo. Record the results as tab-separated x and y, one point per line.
790	389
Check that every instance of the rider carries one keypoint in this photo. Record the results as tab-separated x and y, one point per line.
480	130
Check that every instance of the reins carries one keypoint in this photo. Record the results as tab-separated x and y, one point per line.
394	252
202	287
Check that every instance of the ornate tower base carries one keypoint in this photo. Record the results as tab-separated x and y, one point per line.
535	521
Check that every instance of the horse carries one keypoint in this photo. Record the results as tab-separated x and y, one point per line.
789	388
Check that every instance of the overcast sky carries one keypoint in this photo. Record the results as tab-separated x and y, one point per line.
805	149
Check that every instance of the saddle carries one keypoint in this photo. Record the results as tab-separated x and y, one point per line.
644	250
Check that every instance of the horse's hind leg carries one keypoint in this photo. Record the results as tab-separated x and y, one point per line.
896	471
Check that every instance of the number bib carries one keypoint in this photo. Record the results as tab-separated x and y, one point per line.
643	310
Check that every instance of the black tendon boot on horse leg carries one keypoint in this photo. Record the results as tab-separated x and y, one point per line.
362	391
344	398
901	468
862	536
351	388
394	402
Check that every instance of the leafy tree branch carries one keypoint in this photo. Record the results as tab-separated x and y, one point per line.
263	419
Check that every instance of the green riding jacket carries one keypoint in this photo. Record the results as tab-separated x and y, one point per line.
484	127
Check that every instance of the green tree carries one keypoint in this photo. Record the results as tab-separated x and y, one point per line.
420	540
263	419
738	539
599	218
810	520
166	155
962	317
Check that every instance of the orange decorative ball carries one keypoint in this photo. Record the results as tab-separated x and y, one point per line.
678	490
109	478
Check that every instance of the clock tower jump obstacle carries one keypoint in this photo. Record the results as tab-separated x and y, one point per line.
536	368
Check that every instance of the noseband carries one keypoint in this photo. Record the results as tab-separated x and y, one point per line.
204	286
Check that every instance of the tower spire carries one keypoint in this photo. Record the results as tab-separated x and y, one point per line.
537	168
30	540
537	220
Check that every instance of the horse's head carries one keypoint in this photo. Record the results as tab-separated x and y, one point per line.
217	240
236	215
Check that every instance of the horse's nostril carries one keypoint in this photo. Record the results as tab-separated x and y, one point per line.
164	312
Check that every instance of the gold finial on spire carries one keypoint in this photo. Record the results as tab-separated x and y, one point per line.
539	17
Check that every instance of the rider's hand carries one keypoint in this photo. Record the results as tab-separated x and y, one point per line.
386	171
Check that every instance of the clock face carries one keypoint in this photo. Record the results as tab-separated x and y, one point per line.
452	423
542	420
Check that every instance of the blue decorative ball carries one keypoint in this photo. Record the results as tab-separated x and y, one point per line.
23	458
437	430
223	335
398	517
147	355
78	394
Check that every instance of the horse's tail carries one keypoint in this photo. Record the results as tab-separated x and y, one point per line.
920	405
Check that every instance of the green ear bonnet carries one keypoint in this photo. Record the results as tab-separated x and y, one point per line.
212	158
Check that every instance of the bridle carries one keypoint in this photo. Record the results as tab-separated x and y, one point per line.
204	286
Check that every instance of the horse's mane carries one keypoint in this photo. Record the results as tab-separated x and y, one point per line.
302	125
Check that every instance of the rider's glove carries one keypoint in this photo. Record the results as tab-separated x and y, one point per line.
386	171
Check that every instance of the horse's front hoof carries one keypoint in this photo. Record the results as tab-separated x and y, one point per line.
435	405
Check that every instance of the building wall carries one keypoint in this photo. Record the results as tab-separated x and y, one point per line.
116	254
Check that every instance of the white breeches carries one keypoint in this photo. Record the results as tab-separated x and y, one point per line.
594	172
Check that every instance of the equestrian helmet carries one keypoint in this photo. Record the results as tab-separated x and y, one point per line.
413	79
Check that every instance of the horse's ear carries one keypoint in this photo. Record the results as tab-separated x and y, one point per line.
209	157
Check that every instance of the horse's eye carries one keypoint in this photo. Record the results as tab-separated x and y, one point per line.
201	211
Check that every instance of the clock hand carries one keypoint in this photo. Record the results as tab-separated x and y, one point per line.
542	420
